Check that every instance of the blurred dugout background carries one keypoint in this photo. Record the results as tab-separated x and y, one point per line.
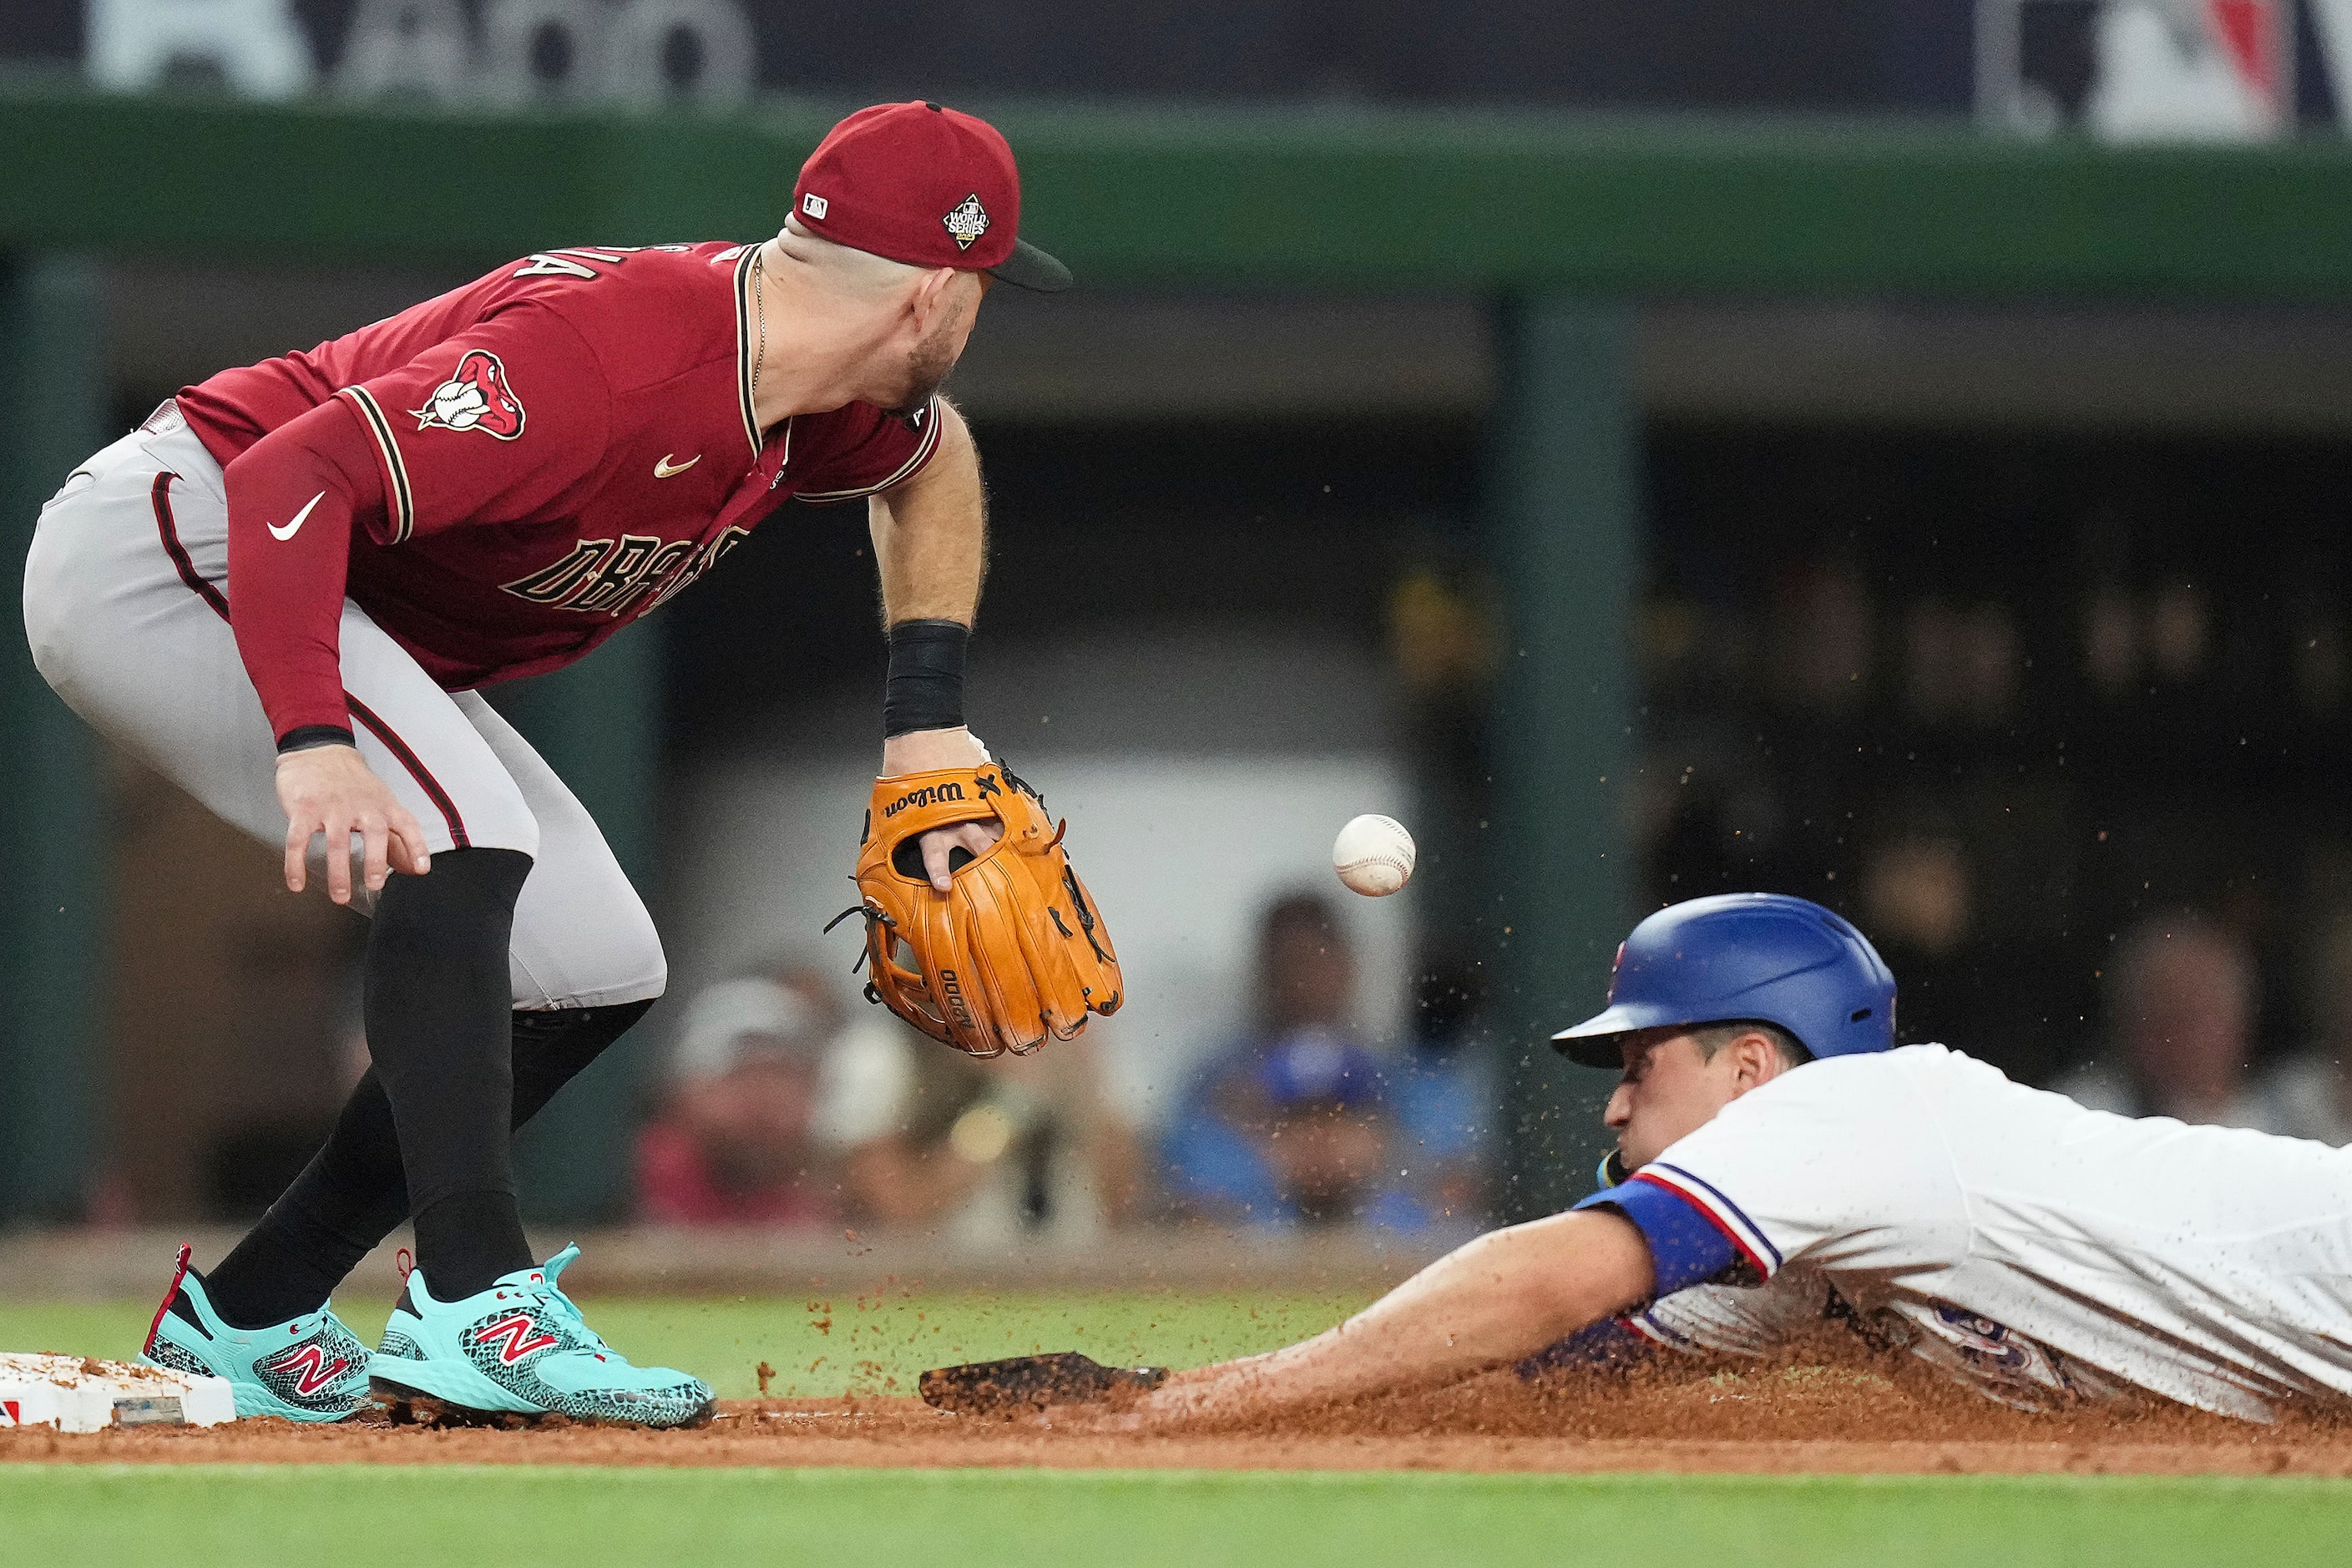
1973	562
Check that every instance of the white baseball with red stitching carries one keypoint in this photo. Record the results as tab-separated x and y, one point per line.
1373	855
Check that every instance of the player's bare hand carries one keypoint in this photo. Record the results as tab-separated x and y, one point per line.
920	751
331	790
940	843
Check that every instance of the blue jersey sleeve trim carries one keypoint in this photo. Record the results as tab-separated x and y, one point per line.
1686	1248
1708	1195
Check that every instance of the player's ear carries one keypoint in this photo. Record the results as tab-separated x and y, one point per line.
934	294
1758	1059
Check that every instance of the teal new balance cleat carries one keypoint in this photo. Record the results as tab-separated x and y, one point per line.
521	1349
309	1369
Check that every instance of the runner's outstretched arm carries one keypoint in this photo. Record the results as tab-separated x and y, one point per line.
1488	1303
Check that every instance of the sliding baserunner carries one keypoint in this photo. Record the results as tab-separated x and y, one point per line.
1780	1160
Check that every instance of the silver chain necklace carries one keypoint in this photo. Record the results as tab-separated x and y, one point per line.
760	303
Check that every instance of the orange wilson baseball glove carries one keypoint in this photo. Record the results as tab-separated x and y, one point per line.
1015	951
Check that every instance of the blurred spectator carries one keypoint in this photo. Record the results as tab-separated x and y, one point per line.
1288	1124
732	1143
1824	635
1443	1096
986	1151
2309	1095
2179	1004
1917	896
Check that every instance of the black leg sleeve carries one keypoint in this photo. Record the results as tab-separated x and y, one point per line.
553	1046
352	1194
440	1025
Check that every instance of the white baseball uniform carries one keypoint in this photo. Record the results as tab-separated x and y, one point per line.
2039	1251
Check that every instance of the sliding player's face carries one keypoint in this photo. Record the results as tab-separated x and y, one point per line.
1670	1091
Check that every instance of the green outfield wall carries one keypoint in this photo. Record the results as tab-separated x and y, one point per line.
1562	222
1317	199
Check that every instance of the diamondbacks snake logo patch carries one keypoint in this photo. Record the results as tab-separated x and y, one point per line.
476	397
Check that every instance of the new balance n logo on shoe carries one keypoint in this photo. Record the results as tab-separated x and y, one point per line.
522	1334
312	1371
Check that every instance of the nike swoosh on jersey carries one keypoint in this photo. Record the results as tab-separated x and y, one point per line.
295	526
666	469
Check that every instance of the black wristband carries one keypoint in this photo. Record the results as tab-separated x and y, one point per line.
925	690
307	737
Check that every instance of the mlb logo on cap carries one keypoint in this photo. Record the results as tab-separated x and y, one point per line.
926	185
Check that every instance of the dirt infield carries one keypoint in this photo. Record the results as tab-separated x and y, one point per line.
1843	1418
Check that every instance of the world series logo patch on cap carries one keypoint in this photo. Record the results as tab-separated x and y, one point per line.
967	222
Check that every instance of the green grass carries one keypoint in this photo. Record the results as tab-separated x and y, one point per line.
869	1343
352	1517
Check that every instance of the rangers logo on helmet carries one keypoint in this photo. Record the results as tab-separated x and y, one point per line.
476	397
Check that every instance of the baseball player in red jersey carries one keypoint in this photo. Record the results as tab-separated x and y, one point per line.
283	590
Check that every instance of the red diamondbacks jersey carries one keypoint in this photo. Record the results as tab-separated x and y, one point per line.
564	444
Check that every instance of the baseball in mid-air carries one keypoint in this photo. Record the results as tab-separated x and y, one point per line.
1373	855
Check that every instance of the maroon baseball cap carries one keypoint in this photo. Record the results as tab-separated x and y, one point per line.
925	185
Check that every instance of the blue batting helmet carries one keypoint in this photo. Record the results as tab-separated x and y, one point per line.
1739	956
